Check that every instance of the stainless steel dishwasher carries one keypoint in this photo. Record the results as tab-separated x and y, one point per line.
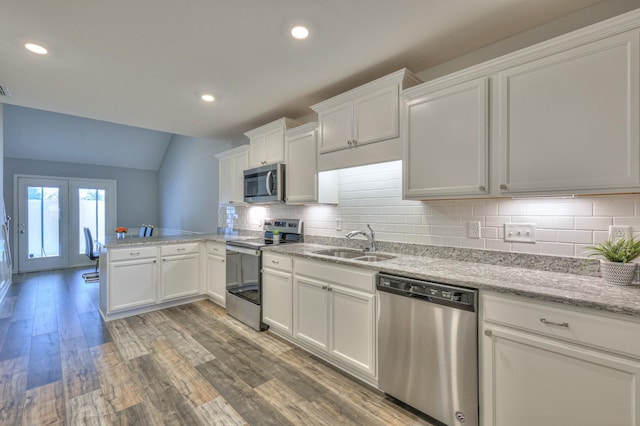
428	347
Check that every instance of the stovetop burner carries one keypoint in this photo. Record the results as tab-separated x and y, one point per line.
290	231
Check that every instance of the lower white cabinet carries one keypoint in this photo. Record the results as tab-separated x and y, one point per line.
216	272
180	270
277	292
550	365
334	314
132	278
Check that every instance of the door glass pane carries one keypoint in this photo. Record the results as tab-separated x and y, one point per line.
91	214
43	221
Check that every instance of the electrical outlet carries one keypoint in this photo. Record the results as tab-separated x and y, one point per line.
520	232
619	231
338	224
473	229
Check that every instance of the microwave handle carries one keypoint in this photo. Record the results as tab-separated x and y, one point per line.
268	182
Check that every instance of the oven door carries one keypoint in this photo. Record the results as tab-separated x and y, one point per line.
243	273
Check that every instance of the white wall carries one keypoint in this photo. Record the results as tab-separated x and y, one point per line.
188	184
373	194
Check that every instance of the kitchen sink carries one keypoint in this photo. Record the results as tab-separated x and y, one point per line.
354	255
345	254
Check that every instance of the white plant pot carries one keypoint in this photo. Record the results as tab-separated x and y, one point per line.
618	273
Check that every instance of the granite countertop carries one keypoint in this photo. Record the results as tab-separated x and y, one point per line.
576	290
133	240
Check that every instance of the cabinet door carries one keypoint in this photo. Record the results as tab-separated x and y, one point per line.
132	284
302	171
352	331
311	312
240	164
531	380
216	278
180	276
277	300
569	122
274	146
225	186
257	151
376	116
446	149
336	127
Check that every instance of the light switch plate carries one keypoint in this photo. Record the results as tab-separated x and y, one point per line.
520	232
619	231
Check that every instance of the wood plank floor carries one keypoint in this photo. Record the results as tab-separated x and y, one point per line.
60	364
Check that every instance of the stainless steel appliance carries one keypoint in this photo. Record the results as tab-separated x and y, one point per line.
428	347
264	184
244	263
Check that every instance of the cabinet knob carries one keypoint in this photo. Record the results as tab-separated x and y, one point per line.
482	188
355	142
222	260
349	142
324	287
155	261
330	289
503	186
488	333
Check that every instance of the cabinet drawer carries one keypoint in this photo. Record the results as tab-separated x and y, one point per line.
359	279
217	249
171	249
278	262
132	253
563	322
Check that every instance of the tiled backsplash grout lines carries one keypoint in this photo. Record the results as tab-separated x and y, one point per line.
373	194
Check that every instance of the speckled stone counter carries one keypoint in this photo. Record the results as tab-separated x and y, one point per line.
130	241
576	290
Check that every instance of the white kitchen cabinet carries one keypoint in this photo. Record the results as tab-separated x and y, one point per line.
216	272
232	165
277	292
180	270
334	315
132	278
267	142
304	184
355	119
548	364
446	148
568	122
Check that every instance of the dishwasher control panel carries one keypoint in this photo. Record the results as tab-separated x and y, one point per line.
463	298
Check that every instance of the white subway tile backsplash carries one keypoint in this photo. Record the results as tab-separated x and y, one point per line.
373	194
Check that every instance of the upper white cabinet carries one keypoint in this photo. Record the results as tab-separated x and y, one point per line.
446	152
559	117
360	117
569	121
267	142
232	165
546	364
303	182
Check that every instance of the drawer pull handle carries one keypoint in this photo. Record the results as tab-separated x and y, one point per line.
134	254
181	249
559	324
275	262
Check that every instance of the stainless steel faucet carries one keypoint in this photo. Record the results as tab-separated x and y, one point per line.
371	237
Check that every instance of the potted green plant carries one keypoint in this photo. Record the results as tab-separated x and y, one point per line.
617	266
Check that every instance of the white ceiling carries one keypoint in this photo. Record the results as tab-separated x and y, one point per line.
145	63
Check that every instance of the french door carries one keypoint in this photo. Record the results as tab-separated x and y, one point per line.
52	214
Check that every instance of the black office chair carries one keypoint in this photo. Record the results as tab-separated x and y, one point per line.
92	255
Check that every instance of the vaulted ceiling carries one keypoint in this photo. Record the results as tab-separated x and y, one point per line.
145	63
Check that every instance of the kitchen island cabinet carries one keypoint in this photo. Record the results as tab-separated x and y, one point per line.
545	364
180	270
132	277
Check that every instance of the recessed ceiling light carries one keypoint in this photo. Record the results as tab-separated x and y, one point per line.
300	32
208	98
36	48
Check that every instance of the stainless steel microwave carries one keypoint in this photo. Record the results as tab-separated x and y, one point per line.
264	184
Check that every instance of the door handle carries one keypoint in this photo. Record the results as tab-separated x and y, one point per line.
268	182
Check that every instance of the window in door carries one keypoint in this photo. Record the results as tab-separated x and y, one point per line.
91	214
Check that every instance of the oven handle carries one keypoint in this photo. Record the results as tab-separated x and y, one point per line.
243	250
268	182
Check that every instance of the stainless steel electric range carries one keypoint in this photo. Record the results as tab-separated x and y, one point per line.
244	263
